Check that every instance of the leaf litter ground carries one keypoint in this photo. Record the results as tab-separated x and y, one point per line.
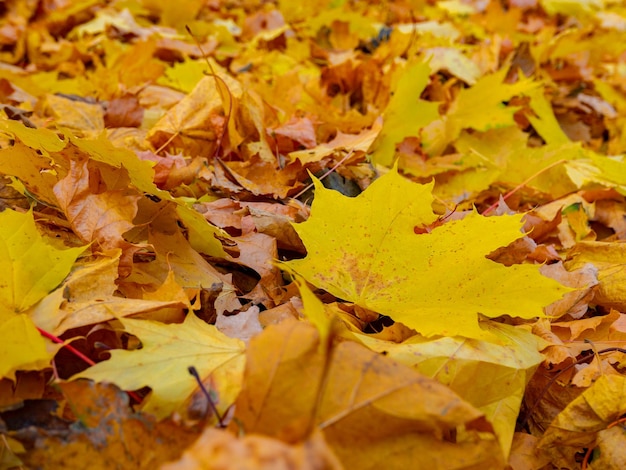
378	235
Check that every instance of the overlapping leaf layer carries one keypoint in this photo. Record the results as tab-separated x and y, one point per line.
314	234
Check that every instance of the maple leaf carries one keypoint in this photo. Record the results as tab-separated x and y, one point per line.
221	449
43	140
102	150
184	75
479	107
585	419
96	217
32	268
479	97
21	346
162	364
406	113
502	155
545	123
455	362
195	123
598	169
436	283
88	297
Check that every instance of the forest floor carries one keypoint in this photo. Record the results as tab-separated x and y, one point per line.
314	234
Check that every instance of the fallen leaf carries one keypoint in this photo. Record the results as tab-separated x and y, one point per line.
244	325
44	140
87	297
354	386
479	107
221	449
34	170
578	425
434	283
162	363
196	123
405	114
525	455
102	414
77	115
606	258
35	267
99	217
460	364
22	347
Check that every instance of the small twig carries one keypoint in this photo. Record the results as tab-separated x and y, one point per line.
193	371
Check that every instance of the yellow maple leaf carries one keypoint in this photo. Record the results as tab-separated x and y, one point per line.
162	364
480	107
365	250
406	113
184	76
21	346
31	269
502	155
43	140
598	169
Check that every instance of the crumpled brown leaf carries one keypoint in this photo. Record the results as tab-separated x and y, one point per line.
103	415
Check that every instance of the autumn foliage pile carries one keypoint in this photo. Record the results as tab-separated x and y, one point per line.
312	234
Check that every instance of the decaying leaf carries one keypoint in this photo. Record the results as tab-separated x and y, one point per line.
584	422
221	449
103	415
492	377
